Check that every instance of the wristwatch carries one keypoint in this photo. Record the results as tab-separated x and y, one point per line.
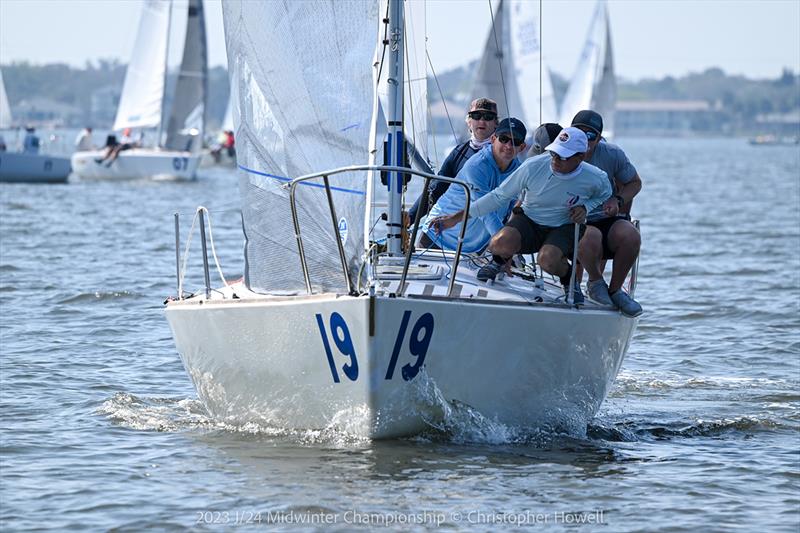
620	200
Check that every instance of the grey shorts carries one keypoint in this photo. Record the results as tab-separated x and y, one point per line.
534	236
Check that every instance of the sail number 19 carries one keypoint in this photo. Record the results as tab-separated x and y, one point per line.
418	342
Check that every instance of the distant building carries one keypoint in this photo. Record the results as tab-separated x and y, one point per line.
666	117
781	124
103	106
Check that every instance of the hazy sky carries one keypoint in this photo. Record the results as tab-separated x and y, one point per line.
651	38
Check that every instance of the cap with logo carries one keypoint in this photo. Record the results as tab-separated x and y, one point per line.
569	142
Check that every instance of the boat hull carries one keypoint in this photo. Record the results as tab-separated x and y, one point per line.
33	168
310	363
137	164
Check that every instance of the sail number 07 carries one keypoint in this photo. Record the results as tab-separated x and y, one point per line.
418	342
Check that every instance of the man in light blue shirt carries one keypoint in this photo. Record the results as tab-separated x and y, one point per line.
484	171
561	190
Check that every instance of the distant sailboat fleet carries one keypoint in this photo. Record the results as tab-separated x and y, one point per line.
169	119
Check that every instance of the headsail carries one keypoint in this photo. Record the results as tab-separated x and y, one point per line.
186	123
5	109
594	85
305	105
141	101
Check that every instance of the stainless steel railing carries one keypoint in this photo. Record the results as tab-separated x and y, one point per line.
292	186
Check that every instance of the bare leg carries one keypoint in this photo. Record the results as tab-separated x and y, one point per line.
506	242
590	253
624	241
552	260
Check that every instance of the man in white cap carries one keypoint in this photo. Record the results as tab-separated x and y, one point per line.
561	190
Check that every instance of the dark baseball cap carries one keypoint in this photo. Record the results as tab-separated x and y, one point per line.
512	125
590	119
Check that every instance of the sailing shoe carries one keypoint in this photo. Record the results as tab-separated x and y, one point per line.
626	304
577	295
598	291
489	271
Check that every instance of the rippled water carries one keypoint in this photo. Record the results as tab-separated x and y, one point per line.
101	428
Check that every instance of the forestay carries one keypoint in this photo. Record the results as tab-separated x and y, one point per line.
140	104
594	86
306	99
187	116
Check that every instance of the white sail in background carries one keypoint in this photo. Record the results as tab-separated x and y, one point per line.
594	85
185	127
306	103
531	74
510	67
140	104
5	108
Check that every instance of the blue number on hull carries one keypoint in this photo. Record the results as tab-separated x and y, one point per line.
416	346
341	336
418	343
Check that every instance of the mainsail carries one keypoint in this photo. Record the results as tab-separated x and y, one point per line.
594	85
305	105
5	109
187	116
143	91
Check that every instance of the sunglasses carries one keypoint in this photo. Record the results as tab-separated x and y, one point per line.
556	156
591	135
482	115
505	139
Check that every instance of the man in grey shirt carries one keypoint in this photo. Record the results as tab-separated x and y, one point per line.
609	232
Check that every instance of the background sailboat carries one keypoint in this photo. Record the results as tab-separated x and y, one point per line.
512	70
27	168
179	134
594	85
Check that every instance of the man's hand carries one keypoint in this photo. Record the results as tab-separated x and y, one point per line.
578	214
441	223
611	207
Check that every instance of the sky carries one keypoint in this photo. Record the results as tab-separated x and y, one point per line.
651	38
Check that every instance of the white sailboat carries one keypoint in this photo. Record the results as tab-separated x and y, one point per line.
330	330
594	84
18	167
142	103
512	70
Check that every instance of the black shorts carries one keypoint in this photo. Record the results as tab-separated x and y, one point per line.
604	225
534	236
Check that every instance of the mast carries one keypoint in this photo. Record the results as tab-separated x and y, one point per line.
166	70
396	139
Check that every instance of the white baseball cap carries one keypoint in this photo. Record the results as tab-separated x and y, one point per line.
569	142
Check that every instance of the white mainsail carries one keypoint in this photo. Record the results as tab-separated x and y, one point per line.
140	104
5	108
594	85
512	65
305	102
185	127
